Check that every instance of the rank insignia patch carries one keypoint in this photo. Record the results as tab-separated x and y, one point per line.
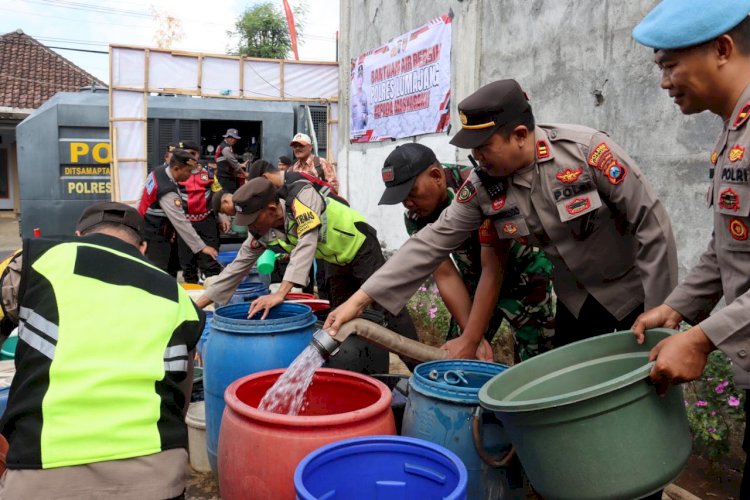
742	116
542	150
616	173
467	192
388	174
729	200
714	157
510	229
736	153
578	205
738	229
568	175
498	203
177	202
596	155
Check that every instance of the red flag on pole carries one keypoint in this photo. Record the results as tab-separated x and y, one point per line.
292	29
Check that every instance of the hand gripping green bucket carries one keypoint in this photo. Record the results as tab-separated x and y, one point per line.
587	424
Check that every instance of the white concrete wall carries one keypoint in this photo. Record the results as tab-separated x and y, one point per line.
563	52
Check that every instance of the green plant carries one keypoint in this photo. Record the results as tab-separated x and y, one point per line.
714	408
430	315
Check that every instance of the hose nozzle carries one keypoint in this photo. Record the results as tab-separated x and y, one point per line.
325	344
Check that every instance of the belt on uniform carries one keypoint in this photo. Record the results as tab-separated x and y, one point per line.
197	217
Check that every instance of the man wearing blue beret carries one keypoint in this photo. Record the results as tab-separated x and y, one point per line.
702	48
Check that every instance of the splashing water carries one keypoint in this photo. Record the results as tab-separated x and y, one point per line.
287	395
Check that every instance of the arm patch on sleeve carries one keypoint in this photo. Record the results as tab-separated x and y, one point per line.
305	217
487	233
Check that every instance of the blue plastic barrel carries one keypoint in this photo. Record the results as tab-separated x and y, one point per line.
248	292
204	336
238	347
226	258
377	467
443	398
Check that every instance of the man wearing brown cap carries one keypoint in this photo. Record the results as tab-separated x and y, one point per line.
566	189
230	171
311	164
162	209
299	220
471	289
95	407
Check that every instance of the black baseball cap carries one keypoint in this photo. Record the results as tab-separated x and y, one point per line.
488	109
251	198
113	213
191	145
401	169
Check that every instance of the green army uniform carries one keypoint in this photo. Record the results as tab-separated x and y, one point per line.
526	295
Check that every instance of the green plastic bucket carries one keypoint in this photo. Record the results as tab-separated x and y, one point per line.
587	424
9	348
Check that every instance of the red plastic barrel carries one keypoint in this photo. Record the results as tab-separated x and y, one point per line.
259	451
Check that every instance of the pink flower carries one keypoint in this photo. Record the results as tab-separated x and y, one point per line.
701	403
733	402
422	289
711	430
713	413
719	389
433	310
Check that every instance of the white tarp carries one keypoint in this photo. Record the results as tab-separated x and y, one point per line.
179	73
402	89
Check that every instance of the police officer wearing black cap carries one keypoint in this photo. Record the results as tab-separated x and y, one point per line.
471	289
702	48
230	171
566	189
196	193
162	208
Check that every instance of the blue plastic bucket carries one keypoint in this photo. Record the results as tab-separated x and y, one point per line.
442	403
237	347
248	292
226	258
377	467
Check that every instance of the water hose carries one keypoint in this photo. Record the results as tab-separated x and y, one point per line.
380	337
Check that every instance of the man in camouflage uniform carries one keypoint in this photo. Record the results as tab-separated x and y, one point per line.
413	176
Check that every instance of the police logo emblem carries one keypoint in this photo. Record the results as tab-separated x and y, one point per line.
388	174
510	229
729	200
578	205
498	203
568	176
462	118
616	173
204	176
736	153
467	192
597	154
738	229
177	202
714	157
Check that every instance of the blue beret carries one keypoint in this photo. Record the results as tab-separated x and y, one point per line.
675	24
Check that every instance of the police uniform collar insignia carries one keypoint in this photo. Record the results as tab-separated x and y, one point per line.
742	116
467	192
738	229
736	153
714	157
542	150
729	200
568	175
